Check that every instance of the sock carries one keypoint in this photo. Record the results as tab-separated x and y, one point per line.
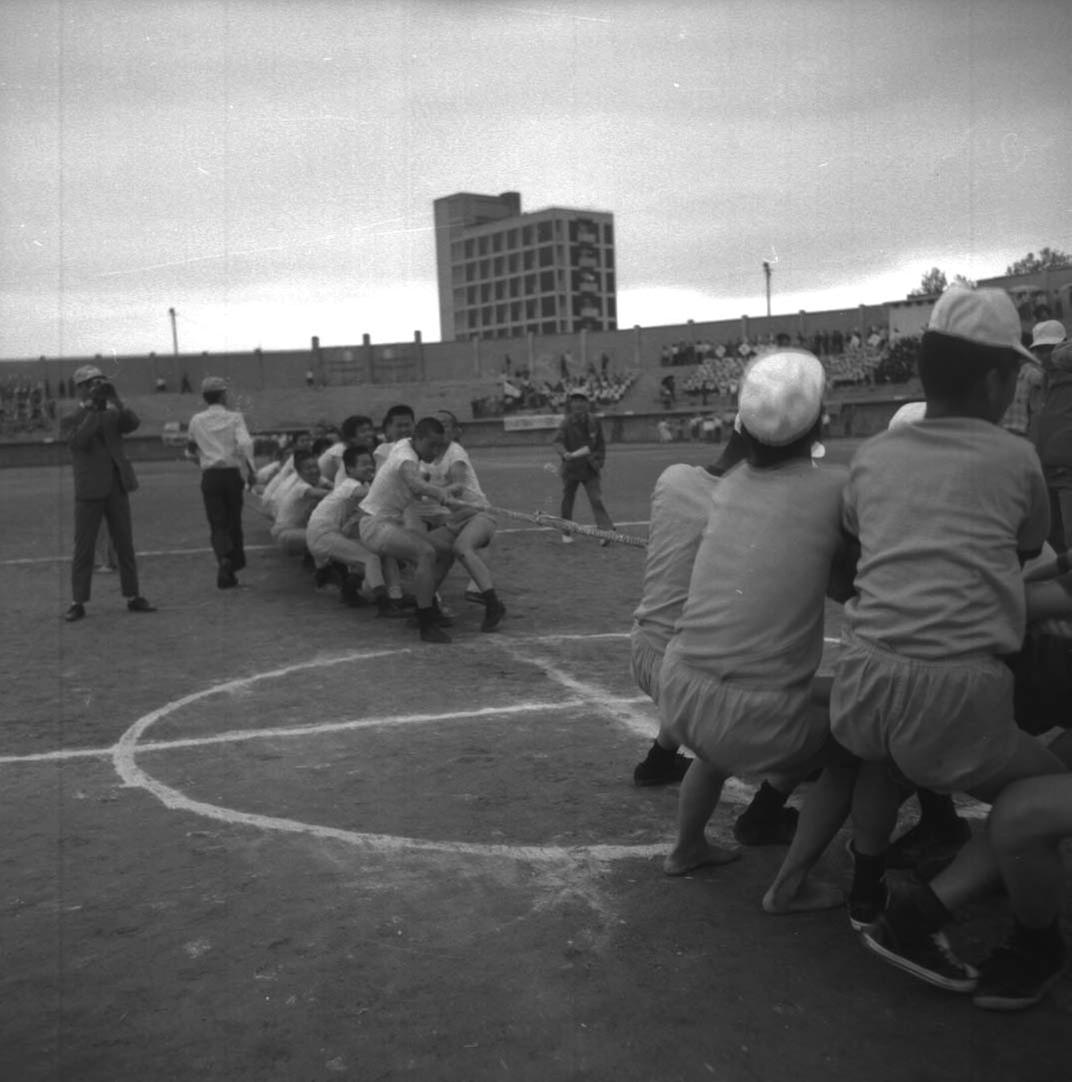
767	803
867	874
919	912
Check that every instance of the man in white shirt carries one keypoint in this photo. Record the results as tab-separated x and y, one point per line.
221	445
297	504
383	530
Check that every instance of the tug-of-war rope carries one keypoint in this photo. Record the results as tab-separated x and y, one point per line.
563	525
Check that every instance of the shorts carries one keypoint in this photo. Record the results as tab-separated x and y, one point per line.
738	729
380	535
946	725
645	660
1042	672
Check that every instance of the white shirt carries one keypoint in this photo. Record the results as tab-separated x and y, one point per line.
223	442
439	472
331	513
389	495
294	508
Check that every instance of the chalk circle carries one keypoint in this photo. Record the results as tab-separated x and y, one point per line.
124	758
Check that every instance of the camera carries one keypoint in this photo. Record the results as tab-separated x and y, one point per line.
100	393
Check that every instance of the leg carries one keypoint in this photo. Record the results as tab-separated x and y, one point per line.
213	495
569	494
594	490
87	520
117	513
235	490
700	792
822	816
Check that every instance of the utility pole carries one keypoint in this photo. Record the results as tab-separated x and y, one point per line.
767	272
175	333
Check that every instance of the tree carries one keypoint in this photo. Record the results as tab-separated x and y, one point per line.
934	281
1047	259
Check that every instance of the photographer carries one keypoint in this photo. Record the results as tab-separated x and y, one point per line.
103	480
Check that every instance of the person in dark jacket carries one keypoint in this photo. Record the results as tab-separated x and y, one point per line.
103	481
1053	439
580	444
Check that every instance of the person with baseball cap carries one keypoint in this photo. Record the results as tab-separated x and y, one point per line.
737	681
945	511
1030	391
103	481
221	445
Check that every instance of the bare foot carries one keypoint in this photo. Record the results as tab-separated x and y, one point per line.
809	897
681	862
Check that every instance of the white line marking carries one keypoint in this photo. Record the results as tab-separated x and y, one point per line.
27	560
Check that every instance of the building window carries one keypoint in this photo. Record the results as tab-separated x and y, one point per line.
547	306
482	245
485	269
470	249
528	236
511	238
608	234
496	242
549	327
547	282
544	233
512	263
497	267
547	256
515	287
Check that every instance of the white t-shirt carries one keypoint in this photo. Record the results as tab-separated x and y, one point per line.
680	506
331	513
389	495
295	507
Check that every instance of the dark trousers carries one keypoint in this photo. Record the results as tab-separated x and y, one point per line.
595	499
115	510
222	492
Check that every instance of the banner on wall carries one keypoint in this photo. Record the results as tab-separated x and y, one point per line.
523	422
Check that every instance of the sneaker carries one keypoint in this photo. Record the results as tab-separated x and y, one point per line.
925	844
391	608
140	604
567	539
76	611
751	829
433	633
928	957
1016	977
863	912
493	615
661	767
350	593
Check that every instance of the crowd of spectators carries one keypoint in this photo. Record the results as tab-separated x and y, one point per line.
27	406
520	393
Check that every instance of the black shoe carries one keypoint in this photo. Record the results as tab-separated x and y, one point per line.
1016	976
661	767
926	844
442	619
322	576
225	576
408	601
140	604
493	615
863	912
928	957
391	608
751	829
431	632
77	611
351	590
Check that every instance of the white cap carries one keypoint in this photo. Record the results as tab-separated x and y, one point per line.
781	396
908	414
86	373
984	316
1047	333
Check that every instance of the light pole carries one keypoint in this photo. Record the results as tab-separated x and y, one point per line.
767	273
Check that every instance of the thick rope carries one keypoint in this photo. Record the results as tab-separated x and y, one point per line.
564	525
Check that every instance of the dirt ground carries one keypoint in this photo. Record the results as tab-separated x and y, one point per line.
259	836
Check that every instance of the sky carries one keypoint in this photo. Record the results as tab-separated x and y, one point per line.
267	167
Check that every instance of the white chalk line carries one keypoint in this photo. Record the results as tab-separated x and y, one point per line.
128	747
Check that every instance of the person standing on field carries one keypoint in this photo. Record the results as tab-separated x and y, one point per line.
580	444
103	481
220	443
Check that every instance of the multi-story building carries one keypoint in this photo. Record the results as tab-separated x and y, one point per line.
504	274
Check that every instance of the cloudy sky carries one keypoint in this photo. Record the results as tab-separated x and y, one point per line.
267	167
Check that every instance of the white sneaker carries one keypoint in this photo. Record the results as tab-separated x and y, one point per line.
567	539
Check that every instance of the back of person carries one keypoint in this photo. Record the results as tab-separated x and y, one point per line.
1053	425
941	509
680	504
764	562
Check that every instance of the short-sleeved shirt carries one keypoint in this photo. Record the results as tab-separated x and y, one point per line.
680	506
754	613
942	509
389	495
330	462
331	513
295	507
438	472
222	439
